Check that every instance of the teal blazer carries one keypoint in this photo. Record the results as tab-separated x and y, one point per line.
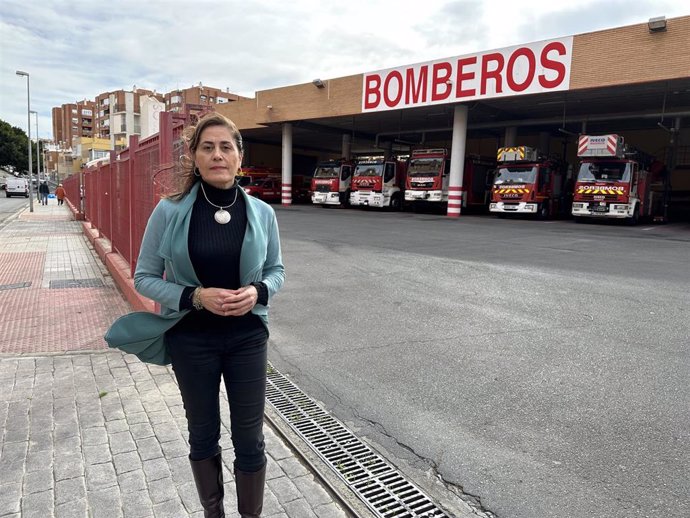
164	269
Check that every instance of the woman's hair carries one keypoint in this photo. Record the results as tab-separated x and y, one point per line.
191	134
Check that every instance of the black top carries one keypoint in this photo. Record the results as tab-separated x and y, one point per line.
214	249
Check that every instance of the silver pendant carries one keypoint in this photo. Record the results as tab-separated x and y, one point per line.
222	216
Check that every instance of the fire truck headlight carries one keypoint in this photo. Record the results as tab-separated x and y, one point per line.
492	206
578	205
620	207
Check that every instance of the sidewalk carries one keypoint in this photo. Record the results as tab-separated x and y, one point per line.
89	432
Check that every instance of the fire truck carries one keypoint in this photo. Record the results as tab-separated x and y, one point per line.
249	174
428	177
527	183
331	182
377	182
613	183
267	189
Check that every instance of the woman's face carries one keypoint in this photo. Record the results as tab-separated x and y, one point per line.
217	157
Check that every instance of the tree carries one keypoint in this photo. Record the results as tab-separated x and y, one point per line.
13	147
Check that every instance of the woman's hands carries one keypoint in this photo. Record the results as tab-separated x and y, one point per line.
229	303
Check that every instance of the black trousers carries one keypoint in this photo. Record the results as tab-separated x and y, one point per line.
238	354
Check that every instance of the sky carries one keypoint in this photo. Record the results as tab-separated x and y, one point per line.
77	49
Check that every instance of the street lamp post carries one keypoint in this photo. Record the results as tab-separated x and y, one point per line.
28	127
38	148
38	153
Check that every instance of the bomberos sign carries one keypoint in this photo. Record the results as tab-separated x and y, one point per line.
538	67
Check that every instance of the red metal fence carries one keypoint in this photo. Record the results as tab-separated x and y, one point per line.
119	194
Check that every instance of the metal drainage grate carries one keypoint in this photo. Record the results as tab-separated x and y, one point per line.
377	483
76	283
15	285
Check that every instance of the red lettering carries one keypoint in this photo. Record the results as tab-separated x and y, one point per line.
550	64
373	88
442	72
510	72
386	88
465	76
491	74
416	92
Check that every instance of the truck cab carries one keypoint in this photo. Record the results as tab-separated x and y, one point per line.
527	183
611	183
267	189
378	182
427	176
331	183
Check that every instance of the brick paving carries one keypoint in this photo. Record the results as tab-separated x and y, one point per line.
90	432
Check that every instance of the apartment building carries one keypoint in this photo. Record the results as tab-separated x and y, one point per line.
119	114
73	120
197	98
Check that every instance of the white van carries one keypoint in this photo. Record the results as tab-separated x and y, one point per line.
17	187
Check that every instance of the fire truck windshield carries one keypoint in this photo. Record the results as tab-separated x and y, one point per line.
326	172
424	167
515	174
369	170
604	172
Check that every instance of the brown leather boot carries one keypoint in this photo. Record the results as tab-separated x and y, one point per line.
208	477
250	492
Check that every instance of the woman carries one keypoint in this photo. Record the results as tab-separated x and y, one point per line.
211	258
60	194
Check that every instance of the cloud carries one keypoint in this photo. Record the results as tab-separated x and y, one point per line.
79	49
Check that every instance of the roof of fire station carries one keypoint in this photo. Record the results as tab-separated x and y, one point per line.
626	78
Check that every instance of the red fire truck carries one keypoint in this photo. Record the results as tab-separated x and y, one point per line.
267	188
331	182
377	182
613	183
527	183
428	176
249	174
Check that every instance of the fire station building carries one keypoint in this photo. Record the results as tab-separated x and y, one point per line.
632	81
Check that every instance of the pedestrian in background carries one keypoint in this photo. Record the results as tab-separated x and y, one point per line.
211	258
60	194
44	191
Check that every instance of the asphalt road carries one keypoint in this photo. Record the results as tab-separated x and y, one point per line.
541	367
10	206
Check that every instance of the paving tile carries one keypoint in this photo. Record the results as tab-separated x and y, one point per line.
100	434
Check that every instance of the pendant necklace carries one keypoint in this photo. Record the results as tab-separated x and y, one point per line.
221	216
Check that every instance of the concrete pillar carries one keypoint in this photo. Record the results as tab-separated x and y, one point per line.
457	161
347	145
544	140
510	139
286	195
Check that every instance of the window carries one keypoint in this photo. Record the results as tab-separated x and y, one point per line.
390	172
86	113
202	97
175	99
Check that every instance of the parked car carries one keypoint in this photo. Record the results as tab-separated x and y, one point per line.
17	187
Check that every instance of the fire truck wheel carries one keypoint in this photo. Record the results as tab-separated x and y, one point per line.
544	212
636	216
395	202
